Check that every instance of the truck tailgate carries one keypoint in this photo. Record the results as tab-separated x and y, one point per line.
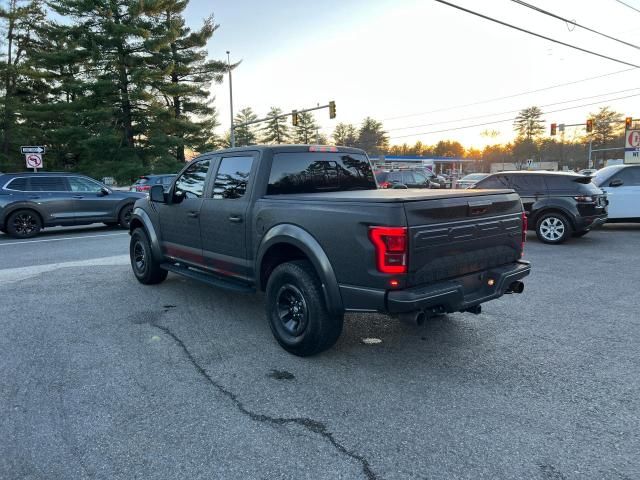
456	236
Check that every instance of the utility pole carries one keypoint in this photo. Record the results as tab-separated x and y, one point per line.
232	134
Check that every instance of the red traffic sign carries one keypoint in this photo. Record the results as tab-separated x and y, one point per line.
633	139
34	160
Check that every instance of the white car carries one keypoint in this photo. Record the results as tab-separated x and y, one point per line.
622	185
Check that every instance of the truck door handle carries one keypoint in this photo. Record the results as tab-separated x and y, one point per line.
235	218
78	196
34	197
193	214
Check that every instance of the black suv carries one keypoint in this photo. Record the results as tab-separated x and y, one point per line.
31	201
558	205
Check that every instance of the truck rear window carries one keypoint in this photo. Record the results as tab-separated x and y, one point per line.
314	172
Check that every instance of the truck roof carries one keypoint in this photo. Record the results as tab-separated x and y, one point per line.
289	149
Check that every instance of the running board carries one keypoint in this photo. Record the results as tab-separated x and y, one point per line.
208	278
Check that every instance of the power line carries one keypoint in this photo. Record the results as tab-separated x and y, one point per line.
495	122
510	111
572	22
627	5
491	100
495	20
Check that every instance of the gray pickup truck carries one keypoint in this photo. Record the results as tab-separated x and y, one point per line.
308	225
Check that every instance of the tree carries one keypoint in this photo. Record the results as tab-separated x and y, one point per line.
276	130
372	138
19	20
345	134
184	115
608	125
449	148
529	124
245	134
307	128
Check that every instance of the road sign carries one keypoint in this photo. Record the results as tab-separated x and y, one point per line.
32	149
529	163
34	160
632	146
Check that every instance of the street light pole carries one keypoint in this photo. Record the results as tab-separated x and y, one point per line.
232	134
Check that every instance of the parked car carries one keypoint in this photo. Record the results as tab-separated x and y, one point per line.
406	179
145	182
308	225
622	185
588	172
558	205
468	181
30	202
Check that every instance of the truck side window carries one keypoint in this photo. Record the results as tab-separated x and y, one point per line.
233	175
191	183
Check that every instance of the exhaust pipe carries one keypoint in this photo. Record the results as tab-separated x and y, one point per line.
516	287
413	318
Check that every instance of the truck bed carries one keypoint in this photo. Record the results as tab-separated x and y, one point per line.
390	195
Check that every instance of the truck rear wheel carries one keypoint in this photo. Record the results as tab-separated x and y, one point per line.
296	310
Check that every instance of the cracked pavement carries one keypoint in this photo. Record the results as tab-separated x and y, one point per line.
101	377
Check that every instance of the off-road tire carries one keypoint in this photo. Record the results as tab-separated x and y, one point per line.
296	310
145	266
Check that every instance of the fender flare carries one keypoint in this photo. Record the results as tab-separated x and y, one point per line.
303	240
142	216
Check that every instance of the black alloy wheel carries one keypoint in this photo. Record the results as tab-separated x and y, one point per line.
292	309
24	224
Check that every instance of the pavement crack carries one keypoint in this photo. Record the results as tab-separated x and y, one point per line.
307	423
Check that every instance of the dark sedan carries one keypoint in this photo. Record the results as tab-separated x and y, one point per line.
30	202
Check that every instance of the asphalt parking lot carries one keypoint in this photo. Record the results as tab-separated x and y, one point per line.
101	377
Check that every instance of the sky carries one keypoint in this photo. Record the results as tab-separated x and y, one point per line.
417	65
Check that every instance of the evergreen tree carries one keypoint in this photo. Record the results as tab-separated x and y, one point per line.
276	130
245	134
372	138
529	124
307	129
183	117
18	22
345	134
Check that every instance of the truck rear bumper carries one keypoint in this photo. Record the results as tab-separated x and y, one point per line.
459	294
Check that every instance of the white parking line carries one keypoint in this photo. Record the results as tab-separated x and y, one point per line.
11	275
25	242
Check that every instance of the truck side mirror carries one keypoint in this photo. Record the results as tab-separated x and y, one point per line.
616	183
156	194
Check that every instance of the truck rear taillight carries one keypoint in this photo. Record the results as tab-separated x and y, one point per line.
391	248
525	226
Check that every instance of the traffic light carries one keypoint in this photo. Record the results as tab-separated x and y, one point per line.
589	125
628	123
332	109
294	118
553	129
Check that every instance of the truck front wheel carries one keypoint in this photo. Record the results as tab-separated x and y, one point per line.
296	310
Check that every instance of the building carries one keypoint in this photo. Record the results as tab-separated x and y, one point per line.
510	167
436	164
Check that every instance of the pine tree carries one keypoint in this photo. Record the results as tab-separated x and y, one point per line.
345	134
18	21
276	130
307	128
184	116
244	134
372	138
